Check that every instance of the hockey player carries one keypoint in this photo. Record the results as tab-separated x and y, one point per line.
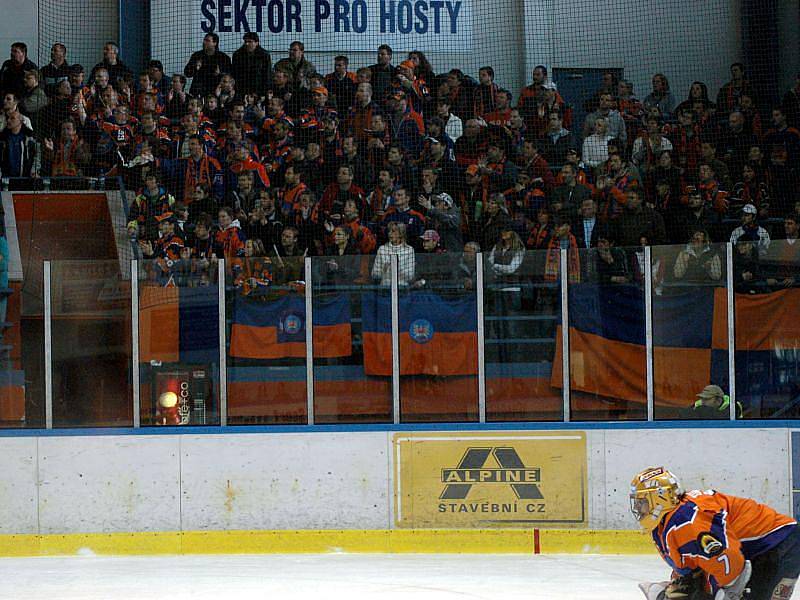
719	546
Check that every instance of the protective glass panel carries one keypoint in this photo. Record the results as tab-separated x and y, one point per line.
91	310
438	334
690	330
21	347
522	310
352	342
179	342
767	309
266	312
607	333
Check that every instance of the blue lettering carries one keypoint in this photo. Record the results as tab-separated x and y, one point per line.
437	5
322	10
358	14
259	6
387	16
405	21
240	15
341	22
421	25
453	9
275	16
224	15
293	22
209	23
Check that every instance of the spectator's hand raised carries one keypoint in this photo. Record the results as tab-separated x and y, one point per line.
424	202
48	144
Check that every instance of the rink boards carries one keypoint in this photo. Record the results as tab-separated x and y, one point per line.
539	490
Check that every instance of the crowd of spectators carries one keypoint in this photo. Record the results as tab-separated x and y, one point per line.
237	157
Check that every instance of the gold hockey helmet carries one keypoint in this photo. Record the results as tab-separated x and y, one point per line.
654	492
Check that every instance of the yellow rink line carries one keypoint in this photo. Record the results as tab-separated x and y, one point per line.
432	541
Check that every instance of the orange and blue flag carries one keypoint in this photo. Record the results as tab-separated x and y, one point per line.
607	342
178	324
277	328
438	336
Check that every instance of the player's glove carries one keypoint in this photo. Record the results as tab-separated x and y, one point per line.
737	588
654	590
687	587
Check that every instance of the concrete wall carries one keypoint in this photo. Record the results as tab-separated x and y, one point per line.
686	41
320	480
82	26
25	28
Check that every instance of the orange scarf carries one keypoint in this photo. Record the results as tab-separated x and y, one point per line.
553	261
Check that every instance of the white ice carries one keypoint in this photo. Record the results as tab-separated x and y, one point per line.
351	576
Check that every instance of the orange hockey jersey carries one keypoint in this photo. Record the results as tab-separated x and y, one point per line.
717	533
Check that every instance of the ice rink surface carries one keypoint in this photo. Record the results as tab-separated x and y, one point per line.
351	576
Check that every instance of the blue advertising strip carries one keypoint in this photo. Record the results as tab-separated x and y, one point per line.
409	427
795	449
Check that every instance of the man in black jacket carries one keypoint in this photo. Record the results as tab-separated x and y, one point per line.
383	73
556	142
56	70
682	221
570	195
12	73
252	66
111	63
205	66
587	228
638	220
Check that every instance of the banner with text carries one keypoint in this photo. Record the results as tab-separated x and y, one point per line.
492	479
324	25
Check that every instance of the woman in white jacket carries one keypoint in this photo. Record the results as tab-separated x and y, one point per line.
504	296
397	245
